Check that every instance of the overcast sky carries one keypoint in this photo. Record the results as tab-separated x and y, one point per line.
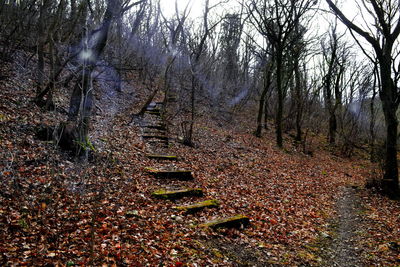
349	8
319	23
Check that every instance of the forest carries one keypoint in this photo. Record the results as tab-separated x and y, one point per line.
199	133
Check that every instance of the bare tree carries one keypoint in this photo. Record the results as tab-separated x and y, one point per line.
381	34
197	46
75	132
266	87
276	21
335	57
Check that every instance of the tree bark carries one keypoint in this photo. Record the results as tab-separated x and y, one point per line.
41	40
389	105
78	128
260	113
299	104
263	109
383	47
279	112
372	119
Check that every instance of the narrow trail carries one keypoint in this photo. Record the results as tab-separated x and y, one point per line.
343	250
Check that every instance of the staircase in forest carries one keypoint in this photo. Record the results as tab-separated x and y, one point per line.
154	134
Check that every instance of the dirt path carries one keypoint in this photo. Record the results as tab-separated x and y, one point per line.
343	250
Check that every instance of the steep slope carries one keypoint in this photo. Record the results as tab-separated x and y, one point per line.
55	209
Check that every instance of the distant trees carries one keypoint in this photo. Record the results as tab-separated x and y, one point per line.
335	57
266	81
382	35
231	32
277	21
197	47
256	58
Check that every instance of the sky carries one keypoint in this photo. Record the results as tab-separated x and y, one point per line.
168	6
197	6
319	23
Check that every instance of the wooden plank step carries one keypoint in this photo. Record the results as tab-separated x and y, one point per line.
154	132
156	113
155	141
176	194
149	109
156	126
159	145
237	221
164	157
183	175
159	137
148	133
155	121
159	142
212	203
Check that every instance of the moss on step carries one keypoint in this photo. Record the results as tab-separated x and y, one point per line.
171	174
231	222
212	203
166	157
176	194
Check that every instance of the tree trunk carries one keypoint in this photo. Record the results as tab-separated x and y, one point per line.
260	112
279	113
266	113
372	121
389	105
192	107
40	46
391	176
263	106
299	104
332	127
76	131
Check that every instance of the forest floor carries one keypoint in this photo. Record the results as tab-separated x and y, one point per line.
58	211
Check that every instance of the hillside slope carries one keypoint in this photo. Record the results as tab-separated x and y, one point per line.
61	211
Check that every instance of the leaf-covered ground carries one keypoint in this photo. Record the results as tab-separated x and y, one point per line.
57	210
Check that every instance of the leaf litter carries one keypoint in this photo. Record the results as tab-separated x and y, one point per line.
56	210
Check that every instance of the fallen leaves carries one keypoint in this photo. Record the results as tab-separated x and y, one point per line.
57	210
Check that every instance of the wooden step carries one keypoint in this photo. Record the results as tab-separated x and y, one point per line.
237	221
176	194
155	142
212	203
156	113
149	109
183	175
155	132
156	126
163	157
159	137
